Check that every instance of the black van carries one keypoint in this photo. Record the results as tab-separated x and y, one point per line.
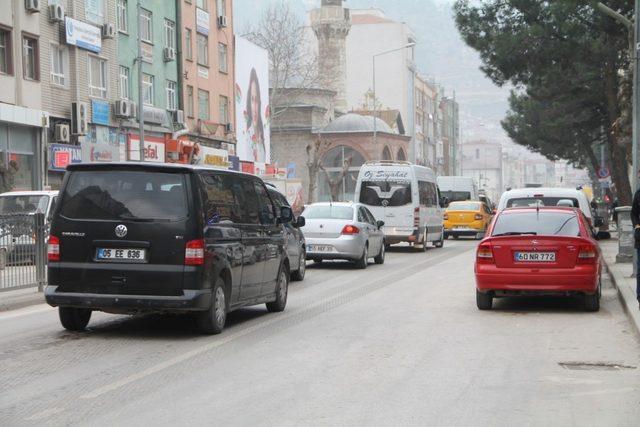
131	237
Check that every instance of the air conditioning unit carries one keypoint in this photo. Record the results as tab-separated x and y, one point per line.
79	118
222	21
124	108
32	6
169	54
62	133
178	117
56	13
108	31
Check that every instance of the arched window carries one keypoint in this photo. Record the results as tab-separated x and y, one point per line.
401	155
337	182
386	154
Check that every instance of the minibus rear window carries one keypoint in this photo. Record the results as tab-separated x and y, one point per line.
385	193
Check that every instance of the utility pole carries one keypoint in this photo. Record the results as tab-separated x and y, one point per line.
140	87
635	52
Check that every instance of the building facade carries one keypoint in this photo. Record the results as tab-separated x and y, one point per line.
482	160
448	163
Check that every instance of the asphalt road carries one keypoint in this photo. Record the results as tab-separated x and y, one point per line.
397	344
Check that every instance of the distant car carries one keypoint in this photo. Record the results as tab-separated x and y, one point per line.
466	219
294	239
346	231
538	251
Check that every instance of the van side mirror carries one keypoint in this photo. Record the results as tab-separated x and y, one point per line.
300	222
444	201
286	215
380	224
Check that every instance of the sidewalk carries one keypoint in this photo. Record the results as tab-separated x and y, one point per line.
622	280
13	300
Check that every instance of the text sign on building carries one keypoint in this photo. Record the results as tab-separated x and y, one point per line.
154	115
100	112
83	35
213	157
97	153
202	21
62	155
153	151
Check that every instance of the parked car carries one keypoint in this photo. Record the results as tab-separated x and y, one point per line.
294	239
346	231
129	238
466	219
17	227
539	251
405	196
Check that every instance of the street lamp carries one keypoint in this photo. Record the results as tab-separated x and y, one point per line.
375	124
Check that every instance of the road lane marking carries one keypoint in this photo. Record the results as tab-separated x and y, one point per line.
27	311
601	392
328	303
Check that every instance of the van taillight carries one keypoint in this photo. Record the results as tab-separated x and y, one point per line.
416	217
350	229
484	255
587	254
194	252
53	249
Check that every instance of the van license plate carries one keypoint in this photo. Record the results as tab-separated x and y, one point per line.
111	254
535	256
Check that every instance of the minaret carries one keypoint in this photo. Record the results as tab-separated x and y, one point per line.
331	24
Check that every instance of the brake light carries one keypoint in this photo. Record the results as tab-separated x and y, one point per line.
484	255
53	249
416	217
478	217
445	216
194	252
350	230
587	254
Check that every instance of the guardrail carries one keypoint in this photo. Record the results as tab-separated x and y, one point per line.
23	239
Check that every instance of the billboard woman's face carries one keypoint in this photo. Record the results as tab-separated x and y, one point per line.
255	103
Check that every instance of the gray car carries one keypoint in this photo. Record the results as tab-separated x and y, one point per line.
346	231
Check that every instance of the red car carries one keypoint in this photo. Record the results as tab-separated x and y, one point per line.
538	251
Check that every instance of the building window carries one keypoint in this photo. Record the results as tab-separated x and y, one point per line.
169	34
30	58
202	4
203	49
223	105
189	101
222	58
94	10
203	105
59	65
6	59
125	88
222	8
147	89
172	99
123	24
188	44
146	26
97	77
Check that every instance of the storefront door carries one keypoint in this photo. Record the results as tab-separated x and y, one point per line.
19	158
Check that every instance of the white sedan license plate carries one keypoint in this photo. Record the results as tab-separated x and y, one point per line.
535	256
118	254
319	248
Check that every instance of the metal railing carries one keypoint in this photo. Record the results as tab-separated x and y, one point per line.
23	239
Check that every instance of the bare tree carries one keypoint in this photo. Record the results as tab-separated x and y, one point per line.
315	151
336	182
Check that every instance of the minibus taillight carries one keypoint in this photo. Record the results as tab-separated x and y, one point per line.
194	252
53	249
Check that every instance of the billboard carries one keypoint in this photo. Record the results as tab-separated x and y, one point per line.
252	102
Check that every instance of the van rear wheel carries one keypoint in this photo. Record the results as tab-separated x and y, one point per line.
74	319
212	320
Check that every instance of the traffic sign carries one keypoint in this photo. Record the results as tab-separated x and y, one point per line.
603	173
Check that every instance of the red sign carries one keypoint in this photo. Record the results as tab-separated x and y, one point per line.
247	167
271	170
62	159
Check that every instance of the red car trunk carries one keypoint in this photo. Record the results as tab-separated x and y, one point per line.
526	251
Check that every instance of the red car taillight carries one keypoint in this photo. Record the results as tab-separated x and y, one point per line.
484	255
53	249
478	217
587	255
350	230
194	252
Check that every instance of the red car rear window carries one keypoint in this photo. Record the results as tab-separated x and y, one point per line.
541	223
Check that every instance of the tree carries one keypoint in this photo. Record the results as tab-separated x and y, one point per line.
336	182
562	58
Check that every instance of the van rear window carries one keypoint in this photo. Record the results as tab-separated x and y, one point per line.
385	193
125	195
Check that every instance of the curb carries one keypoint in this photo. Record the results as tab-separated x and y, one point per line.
21	301
632	312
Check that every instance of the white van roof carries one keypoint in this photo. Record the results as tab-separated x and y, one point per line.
571	193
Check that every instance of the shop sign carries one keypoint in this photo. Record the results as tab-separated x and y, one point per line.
154	115
203	72
100	112
260	168
234	163
291	170
83	35
247	167
202	21
153	151
62	155
97	153
213	157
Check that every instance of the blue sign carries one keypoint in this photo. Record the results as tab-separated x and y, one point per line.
291	170
62	155
100	112
83	35
234	162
